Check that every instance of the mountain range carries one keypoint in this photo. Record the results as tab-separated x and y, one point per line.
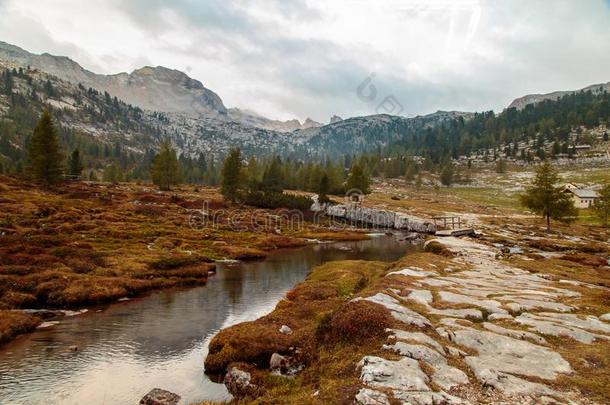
195	118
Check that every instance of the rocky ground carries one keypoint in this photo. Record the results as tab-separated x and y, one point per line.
486	331
469	324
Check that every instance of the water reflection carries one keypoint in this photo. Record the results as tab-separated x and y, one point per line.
161	340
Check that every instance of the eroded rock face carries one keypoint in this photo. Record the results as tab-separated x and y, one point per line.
158	396
238	384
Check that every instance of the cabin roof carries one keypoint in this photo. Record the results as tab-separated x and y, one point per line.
584	193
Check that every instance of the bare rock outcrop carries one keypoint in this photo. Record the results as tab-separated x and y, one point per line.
238	383
363	216
158	396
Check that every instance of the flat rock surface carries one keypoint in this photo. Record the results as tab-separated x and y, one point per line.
399	312
485	319
401	375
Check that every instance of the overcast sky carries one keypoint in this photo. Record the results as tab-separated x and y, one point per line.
307	58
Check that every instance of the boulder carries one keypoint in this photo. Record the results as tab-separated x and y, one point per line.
158	396
278	362
285	329
238	383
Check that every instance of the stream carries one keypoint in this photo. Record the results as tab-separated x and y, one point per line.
160	340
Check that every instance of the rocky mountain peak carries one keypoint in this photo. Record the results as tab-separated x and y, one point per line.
335	118
152	88
309	123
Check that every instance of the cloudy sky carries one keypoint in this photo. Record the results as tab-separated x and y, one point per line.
316	58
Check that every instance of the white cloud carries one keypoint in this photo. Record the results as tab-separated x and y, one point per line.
287	58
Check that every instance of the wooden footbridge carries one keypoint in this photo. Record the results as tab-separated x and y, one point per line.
451	226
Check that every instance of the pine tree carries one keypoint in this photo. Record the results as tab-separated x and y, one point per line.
411	168
75	164
323	189
358	179
113	174
602	204
272	178
418	181
231	176
546	198
45	156
447	175
165	169
501	166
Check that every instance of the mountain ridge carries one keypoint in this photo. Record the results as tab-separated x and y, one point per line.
153	88
520	102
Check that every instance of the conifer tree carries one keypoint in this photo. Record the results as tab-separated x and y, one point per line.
447	174
165	169
501	166
272	178
545	197
323	189
231	176
602	204
75	164
411	168
358	179
113	174
45	156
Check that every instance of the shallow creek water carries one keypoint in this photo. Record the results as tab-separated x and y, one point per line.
160	340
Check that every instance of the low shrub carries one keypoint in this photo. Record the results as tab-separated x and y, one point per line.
272	200
357	320
174	262
437	248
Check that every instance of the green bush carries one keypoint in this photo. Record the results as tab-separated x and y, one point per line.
272	200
